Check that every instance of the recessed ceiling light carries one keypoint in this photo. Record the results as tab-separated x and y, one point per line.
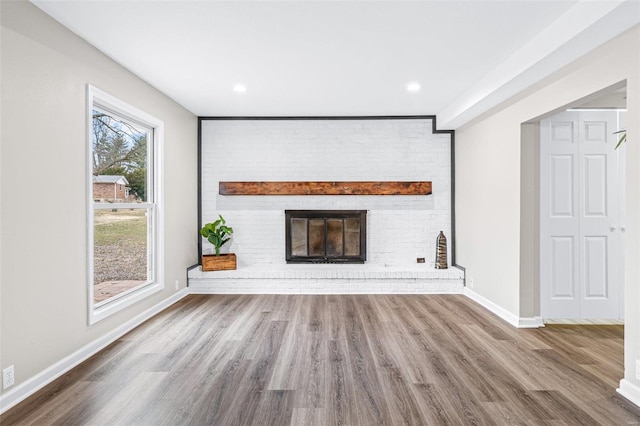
240	88
413	87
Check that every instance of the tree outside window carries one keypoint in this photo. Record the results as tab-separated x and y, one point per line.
126	230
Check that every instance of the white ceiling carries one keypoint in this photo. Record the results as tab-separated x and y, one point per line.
308	58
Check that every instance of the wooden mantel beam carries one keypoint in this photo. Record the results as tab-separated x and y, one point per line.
325	188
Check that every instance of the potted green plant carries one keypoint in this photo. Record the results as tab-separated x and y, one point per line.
218	234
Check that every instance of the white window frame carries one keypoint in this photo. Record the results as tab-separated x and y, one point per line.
155	205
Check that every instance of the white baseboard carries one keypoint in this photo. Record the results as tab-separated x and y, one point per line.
533	322
514	320
40	380
629	391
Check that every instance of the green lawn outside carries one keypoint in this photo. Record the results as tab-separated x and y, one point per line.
120	245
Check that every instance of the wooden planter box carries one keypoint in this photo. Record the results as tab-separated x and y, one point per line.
224	262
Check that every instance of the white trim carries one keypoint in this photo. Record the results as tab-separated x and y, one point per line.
583	109
127	206
630	391
89	201
104	311
155	204
533	322
581	29
509	317
489	305
40	380
120	107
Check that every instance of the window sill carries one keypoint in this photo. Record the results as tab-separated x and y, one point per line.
97	314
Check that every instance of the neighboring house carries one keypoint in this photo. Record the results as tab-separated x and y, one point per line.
110	189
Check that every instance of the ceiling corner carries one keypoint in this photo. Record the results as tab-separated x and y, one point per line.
582	28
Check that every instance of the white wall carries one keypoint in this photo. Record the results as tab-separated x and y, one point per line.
400	228
491	178
45	70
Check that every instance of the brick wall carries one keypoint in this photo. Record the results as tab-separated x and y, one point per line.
105	191
400	228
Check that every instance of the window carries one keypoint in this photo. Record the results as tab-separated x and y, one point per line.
125	233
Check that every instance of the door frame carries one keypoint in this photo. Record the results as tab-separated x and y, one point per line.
529	277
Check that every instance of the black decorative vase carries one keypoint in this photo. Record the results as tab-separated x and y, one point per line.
441	252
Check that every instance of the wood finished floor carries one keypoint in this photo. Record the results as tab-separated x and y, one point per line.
329	360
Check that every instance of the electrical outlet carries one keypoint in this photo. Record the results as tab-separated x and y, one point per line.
8	377
637	369
177	284
470	282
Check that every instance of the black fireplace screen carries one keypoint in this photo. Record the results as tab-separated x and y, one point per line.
326	236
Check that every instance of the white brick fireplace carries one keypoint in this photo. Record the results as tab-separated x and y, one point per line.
400	229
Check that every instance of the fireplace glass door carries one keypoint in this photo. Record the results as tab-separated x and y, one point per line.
325	236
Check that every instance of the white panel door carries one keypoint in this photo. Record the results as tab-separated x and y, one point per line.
580	231
559	221
599	233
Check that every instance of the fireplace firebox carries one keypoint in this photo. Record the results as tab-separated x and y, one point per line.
326	236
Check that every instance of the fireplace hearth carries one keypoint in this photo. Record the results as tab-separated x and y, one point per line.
325	236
